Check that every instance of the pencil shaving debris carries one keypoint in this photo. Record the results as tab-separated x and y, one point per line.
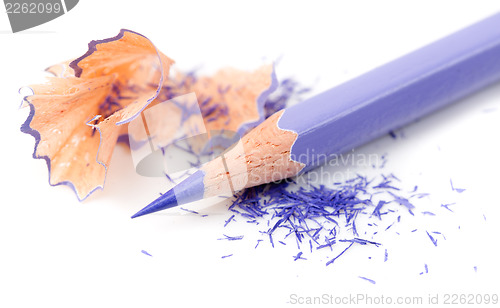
146	253
368	279
328	219
80	113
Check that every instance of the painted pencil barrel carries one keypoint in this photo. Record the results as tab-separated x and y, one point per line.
394	94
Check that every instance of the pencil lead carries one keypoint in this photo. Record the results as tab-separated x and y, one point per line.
165	201
189	190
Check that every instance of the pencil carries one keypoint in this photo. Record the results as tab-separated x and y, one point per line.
302	137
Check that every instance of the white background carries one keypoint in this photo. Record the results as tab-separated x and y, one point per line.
58	252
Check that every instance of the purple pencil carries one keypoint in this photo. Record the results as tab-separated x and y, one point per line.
302	137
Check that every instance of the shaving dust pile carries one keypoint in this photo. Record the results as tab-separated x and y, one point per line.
316	218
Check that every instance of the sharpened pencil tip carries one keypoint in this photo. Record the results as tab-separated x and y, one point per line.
189	190
165	201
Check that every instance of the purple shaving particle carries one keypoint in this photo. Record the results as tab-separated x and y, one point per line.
389	227
446	206
228	220
403	201
189	211
146	253
316	232
384	161
223	90
258	241
298	256
231	238
333	260
475	269
434	241
328	244
428	213
420	195
227	256
271	239
376	211
392	176
426	268
458	190
166	175
368	279
281	242
385	184
414	230
386	255
361	241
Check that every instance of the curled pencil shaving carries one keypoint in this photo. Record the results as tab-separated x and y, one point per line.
103	89
229	101
233	99
78	115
